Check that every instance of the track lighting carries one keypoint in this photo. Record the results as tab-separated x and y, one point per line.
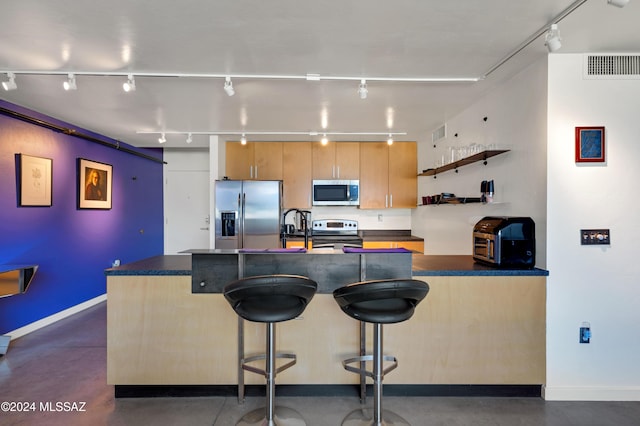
324	139
362	89
390	140
228	86
552	39
189	138
11	83
162	139
618	3
130	84
70	84
243	139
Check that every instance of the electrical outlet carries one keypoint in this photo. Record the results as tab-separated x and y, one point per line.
380	218
590	237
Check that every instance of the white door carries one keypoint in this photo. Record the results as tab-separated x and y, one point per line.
186	210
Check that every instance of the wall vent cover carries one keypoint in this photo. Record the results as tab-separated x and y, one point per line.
612	67
439	133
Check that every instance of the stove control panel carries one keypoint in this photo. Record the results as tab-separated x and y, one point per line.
335	226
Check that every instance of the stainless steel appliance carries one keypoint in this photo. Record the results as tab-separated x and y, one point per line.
504	241
336	193
247	213
335	233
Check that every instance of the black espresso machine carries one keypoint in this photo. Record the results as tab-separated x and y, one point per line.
505	242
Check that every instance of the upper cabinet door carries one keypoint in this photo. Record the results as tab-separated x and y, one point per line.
268	161
403	181
348	160
374	175
239	160
336	160
297	175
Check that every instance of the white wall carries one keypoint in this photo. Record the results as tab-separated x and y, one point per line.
516	120
590	283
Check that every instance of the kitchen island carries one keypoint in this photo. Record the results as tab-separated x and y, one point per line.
478	326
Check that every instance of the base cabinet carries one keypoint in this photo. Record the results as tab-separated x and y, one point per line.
417	246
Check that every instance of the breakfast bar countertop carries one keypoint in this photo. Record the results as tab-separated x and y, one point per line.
422	265
463	265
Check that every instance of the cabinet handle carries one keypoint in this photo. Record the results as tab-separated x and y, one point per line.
256	172
386	200
338	168
251	172
391	200
333	171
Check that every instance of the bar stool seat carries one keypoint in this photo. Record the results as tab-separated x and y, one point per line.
270	299
378	302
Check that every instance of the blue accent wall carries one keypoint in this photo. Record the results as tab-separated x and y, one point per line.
72	247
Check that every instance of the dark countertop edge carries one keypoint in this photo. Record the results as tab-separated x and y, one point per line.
423	266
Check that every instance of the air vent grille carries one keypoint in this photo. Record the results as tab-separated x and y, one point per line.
612	67
439	133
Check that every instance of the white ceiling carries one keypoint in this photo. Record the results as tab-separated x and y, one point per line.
356	38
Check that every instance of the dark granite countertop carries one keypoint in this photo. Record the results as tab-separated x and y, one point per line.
388	235
176	264
454	265
422	265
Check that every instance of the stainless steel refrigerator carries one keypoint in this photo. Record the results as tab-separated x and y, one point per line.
247	213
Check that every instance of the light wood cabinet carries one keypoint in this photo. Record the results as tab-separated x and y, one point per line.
296	175
255	160
336	160
417	246
388	175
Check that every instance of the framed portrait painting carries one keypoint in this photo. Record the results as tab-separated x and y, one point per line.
35	177
94	184
590	145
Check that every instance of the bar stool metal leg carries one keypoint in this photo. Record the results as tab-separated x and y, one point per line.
377	416
271	415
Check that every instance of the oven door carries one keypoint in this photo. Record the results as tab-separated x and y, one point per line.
484	247
336	242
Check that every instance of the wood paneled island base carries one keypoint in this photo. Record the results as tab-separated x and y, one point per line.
487	331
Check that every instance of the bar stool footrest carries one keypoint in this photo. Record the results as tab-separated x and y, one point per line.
245	361
364	358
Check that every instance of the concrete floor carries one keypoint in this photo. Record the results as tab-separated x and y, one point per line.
66	362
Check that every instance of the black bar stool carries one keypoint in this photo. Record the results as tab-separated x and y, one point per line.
270	299
378	302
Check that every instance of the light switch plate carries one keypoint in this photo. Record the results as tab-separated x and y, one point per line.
589	237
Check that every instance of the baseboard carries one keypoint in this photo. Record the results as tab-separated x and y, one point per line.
591	393
30	328
151	391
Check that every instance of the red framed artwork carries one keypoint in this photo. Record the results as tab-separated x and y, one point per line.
590	145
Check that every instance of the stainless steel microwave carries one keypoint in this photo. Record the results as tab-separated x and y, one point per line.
336	193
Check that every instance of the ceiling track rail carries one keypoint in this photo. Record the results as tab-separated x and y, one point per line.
73	132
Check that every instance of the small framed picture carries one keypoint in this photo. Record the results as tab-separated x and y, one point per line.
590	145
94	184
35	176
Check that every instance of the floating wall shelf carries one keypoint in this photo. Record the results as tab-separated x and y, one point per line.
481	156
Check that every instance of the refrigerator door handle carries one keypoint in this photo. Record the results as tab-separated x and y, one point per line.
242	214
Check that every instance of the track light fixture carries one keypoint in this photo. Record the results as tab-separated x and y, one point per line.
243	139
390	140
162	138
11	83
362	89
618	3
552	40
228	86
70	84
189	138
130	84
